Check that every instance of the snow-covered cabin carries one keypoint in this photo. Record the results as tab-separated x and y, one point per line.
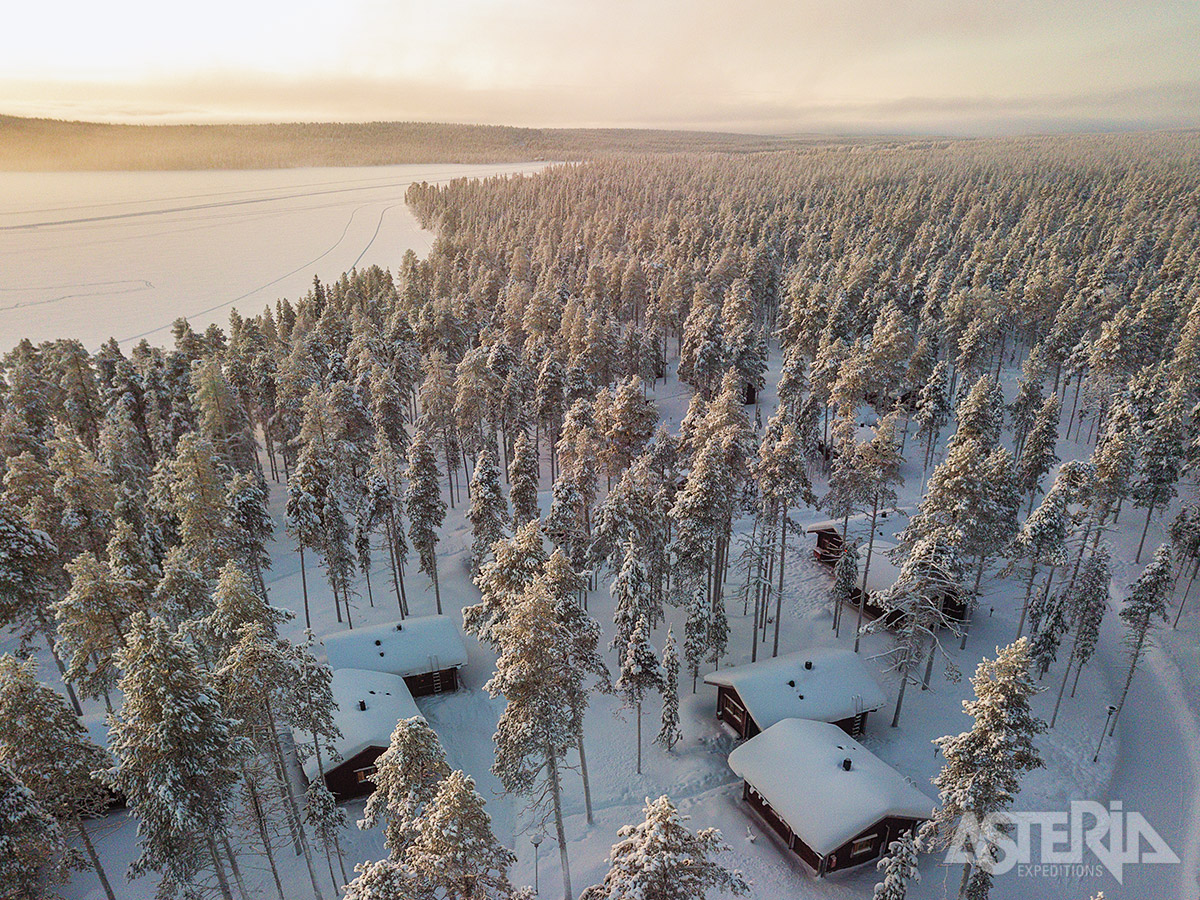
833	802
827	684
425	651
829	532
369	704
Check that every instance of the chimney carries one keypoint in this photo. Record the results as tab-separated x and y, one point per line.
362	705
846	764
808	664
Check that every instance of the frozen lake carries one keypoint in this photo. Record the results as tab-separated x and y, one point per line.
94	255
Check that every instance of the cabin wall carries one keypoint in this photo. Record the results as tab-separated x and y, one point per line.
733	712
876	839
444	681
348	778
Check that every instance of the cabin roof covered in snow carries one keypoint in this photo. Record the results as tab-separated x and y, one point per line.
410	647
387	700
837	686
797	766
887	522
883	573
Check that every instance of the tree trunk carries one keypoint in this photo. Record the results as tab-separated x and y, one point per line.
1028	594
290	798
1145	528
639	736
62	670
437	591
971	603
1133	661
218	868
1186	591
264	836
862	595
900	694
556	795
587	786
779	594
97	867
304	588
237	870
1062	688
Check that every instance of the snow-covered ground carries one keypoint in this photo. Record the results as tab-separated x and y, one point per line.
94	255
197	259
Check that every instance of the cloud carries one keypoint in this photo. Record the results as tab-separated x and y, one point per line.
758	65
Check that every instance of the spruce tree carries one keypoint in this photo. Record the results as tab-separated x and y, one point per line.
455	850
641	673
92	618
45	745
34	855
983	768
1037	454
669	734
523	481
899	868
661	858
406	780
1147	603
425	507
173	746
502	582
488	510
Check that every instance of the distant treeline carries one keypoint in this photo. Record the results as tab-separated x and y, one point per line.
50	144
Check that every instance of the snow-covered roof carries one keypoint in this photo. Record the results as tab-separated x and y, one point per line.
887	522
836	687
411	647
883	573
387	700
797	766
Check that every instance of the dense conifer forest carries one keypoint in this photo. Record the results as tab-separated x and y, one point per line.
892	284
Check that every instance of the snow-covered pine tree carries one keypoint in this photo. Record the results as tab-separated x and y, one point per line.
703	356
669	734
633	598
251	524
503	581
980	414
1146	604
1160	460
931	573
45	746
91	619
696	633
1185	539
84	491
34	856
933	410
631	423
488	511
899	868
328	821
661	858
1030	398
1037	454
425	507
183	592
535	674
406	779
1042	540
641	674
174	751
1085	604
523	481
455	850
877	463
983	768
194	483
845	580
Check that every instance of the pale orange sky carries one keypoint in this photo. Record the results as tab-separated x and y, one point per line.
972	66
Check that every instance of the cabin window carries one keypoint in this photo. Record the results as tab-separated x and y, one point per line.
364	775
863	845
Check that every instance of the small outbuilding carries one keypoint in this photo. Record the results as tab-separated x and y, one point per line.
832	802
828	533
425	651
827	684
369	704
